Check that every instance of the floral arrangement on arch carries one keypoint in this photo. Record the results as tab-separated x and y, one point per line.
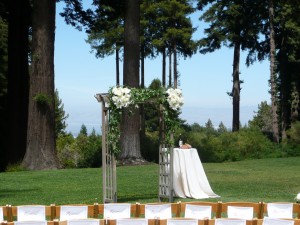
122	97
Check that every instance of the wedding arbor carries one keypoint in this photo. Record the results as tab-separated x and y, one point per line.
113	102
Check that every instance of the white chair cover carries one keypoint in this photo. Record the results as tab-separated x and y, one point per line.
1	214
280	210
230	222
181	222
31	213
83	222
30	222
276	221
132	221
161	211
197	211
68	212
239	212
116	211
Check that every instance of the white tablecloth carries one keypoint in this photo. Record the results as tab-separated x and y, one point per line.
189	178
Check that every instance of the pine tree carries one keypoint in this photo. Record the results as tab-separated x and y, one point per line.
233	23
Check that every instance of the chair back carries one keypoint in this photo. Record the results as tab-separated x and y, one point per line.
132	221
1	213
68	212
83	222
242	210
279	210
30	222
117	211
276	221
161	211
182	222
226	221
197	211
214	206
31	213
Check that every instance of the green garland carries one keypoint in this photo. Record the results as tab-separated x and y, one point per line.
122	97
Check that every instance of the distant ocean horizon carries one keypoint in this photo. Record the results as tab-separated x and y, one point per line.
191	115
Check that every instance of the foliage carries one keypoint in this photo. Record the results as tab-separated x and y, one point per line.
84	151
42	99
292	144
150	147
120	97
17	167
247	180
60	115
216	146
263	118
3	58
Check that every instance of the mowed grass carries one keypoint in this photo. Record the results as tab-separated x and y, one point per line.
267	180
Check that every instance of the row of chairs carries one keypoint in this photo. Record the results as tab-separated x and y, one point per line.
197	210
172	221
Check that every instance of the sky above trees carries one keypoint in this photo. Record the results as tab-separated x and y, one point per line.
204	80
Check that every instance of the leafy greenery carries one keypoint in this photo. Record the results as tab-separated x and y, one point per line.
42	99
249	180
81	152
60	115
138	96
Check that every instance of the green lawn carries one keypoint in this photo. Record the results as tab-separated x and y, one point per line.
252	180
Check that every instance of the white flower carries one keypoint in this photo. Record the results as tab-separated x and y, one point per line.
298	198
121	97
174	98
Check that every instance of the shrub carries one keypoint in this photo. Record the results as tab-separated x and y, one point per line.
233	146
150	147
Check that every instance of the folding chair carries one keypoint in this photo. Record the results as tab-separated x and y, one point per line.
1	214
117	211
132	221
276	221
226	221
31	213
157	208
84	222
68	212
88	221
182	222
281	210
158	211
200	209
241	210
30	222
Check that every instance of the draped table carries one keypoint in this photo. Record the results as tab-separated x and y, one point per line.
189	178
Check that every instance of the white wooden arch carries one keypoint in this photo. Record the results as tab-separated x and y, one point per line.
109	181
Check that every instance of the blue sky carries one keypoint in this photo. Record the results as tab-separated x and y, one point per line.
205	81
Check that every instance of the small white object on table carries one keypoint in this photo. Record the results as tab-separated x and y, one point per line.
189	178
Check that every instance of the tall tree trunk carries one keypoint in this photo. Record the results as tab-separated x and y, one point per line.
142	106
236	88
164	67
284	91
41	151
130	125
175	74
117	67
170	68
273	75
18	79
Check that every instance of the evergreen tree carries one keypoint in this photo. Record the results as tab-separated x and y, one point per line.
60	116
263	118
41	148
233	23
18	78
106	34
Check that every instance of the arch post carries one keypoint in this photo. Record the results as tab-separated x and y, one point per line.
109	178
